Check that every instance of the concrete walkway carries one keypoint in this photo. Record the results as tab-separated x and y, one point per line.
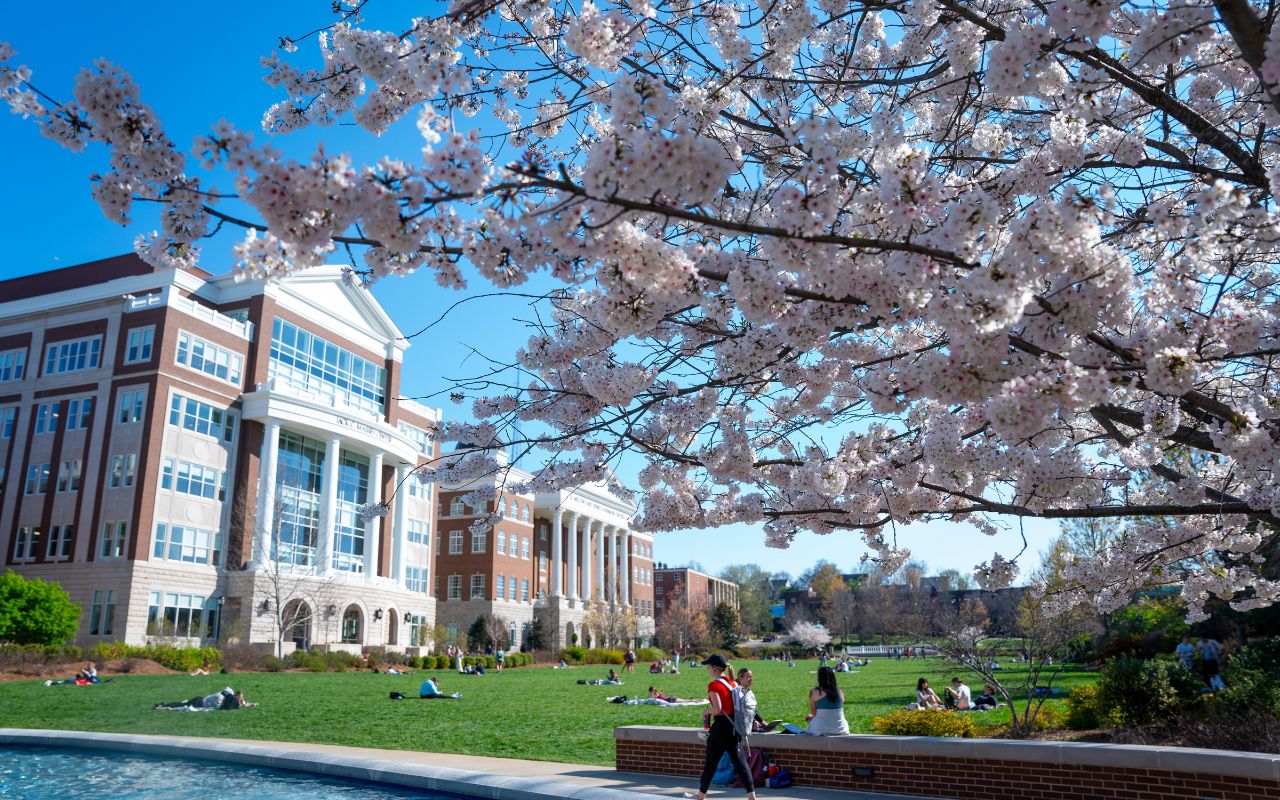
508	777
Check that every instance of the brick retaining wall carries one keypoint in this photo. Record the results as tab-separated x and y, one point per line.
977	769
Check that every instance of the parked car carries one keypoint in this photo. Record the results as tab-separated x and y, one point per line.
770	638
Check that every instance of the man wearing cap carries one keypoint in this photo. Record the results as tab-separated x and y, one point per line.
721	737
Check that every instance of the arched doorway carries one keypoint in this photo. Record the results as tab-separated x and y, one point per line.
352	625
568	634
296	624
393	626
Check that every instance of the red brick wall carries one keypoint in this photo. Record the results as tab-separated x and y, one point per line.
961	778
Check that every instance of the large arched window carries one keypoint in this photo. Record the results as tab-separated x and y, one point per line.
393	627
351	619
524	512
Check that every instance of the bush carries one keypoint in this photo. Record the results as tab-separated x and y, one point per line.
33	611
599	655
925	723
650	654
1135	691
13	657
490	662
273	664
1082	709
574	654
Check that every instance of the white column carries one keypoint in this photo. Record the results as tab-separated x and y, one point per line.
625	535
373	528
588	582
557	530
620	577
602	559
599	558
267	494
328	507
572	567
401	530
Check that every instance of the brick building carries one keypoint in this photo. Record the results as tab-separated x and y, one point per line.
689	587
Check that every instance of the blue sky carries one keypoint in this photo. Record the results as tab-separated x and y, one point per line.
197	64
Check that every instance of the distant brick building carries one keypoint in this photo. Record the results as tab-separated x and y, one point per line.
698	590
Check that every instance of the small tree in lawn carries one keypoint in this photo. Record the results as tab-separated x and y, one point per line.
724	626
539	635
33	611
809	635
1042	642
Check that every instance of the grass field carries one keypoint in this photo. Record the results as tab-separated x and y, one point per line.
534	713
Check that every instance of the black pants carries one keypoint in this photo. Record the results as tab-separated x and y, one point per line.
722	739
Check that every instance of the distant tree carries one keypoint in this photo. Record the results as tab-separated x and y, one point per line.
912	573
610	624
951	580
685	622
498	632
753	596
841	612
806	578
809	635
33	611
724	623
825	582
539	635
478	633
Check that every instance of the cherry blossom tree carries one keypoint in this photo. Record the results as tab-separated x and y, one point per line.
829	264
809	635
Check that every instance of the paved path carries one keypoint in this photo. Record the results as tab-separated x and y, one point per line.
584	774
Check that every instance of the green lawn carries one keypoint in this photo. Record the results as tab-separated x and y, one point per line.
535	713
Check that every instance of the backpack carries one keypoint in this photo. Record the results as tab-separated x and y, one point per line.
744	713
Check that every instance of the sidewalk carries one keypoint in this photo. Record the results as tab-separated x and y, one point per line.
586	775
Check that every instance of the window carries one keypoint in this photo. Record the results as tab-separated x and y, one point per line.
8	418
123	468
657	590
659	604
524	590
542	562
524	512
419	633
208	358
456	507
182	615
502	543
455	543
455	587
501	589
114	537
69	476
477	586
131	406
542	533
78	413
418	436
436	582
74	355
305	361
511	589
177	543
512	510
419	533
415	579
138	347
103	616
193	415
13	365
524	547
24	544
478	541
47	417
187	478
37	479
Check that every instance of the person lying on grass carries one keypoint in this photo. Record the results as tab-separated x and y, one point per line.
226	700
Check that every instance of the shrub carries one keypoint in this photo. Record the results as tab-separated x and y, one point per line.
574	654
1135	691
925	723
599	655
650	654
490	662
1082	709
33	611
13	657
272	664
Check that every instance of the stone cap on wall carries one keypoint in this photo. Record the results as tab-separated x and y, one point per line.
1131	756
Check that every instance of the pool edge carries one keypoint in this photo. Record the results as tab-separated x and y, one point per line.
318	762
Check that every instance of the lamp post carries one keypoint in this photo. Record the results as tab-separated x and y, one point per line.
217	628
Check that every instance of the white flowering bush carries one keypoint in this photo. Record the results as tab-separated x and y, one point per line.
831	264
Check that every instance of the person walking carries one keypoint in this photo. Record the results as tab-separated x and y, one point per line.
629	660
721	737
498	658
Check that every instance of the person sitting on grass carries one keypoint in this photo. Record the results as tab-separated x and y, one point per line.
227	700
925	697
203	669
430	690
958	695
986	700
